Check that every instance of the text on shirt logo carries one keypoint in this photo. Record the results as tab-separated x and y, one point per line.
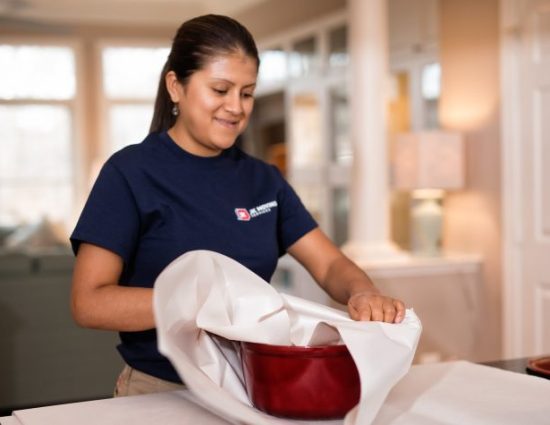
245	215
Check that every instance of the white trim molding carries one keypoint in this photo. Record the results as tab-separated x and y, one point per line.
510	70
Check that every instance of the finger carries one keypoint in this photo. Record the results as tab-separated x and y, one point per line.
353	313
365	312
359	308
389	312
400	311
377	313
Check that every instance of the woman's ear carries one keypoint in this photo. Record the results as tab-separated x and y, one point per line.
173	86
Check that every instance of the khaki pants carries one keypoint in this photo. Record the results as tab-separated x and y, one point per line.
134	382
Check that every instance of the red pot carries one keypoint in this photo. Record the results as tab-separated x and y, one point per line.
301	382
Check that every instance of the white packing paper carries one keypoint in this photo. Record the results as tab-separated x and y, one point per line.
202	296
460	392
450	393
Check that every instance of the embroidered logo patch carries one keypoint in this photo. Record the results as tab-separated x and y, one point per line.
245	215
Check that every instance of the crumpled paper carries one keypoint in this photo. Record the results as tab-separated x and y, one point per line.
205	302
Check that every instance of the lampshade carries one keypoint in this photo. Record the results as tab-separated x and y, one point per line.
428	160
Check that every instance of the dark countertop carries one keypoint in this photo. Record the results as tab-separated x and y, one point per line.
513	365
518	365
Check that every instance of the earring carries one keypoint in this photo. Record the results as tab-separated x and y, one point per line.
175	110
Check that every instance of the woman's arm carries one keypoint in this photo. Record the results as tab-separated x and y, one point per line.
343	280
97	301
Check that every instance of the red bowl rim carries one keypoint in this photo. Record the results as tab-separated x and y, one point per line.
540	365
289	350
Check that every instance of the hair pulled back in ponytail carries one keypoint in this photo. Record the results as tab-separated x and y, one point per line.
196	42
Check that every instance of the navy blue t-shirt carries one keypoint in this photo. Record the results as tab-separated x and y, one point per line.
153	202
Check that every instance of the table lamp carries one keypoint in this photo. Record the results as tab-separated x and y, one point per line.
427	163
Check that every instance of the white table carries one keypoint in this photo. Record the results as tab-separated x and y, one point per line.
454	393
9	420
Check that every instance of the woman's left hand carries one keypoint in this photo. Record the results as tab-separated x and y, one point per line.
374	306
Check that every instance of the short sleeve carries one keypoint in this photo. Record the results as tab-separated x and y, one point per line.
294	219
110	217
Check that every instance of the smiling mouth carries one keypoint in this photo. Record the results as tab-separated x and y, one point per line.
227	123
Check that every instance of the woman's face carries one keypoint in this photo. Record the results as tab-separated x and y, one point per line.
215	104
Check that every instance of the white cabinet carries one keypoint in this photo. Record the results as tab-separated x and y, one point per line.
414	57
413	26
304	75
447	295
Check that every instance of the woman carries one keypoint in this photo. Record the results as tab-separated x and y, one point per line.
186	187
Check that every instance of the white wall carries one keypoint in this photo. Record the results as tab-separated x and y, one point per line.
470	103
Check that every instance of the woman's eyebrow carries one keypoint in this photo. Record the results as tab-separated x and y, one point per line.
232	83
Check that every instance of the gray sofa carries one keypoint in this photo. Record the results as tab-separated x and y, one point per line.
45	358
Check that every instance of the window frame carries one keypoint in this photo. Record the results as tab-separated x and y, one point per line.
76	107
103	101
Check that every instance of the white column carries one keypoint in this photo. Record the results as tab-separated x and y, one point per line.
369	213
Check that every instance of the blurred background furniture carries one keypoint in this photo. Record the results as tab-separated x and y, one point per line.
45	358
427	163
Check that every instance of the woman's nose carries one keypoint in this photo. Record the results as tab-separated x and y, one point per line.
233	104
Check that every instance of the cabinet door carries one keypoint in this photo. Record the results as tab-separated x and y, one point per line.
307	149
320	152
306	127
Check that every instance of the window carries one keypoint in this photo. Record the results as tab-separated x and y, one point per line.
273	66
338	47
431	87
130	80
431	81
342	150
340	206
306	130
36	133
304	58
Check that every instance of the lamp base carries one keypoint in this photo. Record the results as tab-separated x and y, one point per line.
426	223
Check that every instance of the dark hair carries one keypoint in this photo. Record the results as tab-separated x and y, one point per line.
198	40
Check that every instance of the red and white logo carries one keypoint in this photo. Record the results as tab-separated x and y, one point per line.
242	214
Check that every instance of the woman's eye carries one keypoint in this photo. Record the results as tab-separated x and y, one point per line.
248	95
218	91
